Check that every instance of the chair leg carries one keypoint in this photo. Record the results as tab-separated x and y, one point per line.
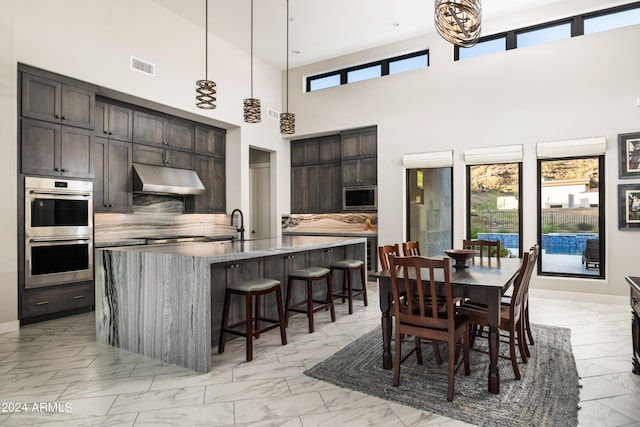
256	327
225	322
465	352
283	332
451	368
397	358
310	304
364	286
418	350
522	342
436	352
330	297
249	326
350	289
527	327
287	303
512	352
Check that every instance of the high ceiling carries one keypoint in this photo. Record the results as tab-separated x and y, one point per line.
321	29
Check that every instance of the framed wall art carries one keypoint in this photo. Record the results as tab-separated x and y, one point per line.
629	206
629	155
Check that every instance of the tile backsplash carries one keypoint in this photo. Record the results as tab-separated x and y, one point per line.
330	223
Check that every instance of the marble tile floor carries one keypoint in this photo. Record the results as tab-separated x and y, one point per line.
61	377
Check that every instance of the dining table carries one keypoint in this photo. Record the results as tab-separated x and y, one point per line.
481	281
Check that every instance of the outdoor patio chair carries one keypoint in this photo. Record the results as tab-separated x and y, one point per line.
591	254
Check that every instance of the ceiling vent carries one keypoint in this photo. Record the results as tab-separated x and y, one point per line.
273	114
143	66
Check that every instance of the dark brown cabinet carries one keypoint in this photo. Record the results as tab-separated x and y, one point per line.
114	121
330	187
112	185
210	142
156	129
330	149
304	152
304	189
360	172
54	150
162	157
359	144
53	101
42	301
278	267
211	171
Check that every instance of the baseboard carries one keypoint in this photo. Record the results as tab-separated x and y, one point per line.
579	296
9	327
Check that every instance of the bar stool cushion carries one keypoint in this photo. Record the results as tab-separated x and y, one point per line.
310	272
347	263
253	285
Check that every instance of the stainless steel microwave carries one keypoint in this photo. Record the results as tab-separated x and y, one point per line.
361	198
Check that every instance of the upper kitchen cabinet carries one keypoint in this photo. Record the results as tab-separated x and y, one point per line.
57	101
210	142
304	152
158	156
359	144
54	150
155	129
112	184
360	172
330	149
305	189
114	121
211	171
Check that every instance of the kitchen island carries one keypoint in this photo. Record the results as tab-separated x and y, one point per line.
165	301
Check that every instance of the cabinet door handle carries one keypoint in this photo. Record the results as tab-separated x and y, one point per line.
110	132
64	117
56	169
79	296
105	132
57	116
42	303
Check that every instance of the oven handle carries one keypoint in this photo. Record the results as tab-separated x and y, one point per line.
59	193
56	240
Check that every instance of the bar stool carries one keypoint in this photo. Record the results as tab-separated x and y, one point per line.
348	267
310	275
249	289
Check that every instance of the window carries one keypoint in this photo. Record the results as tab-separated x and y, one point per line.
544	35
494	205
383	67
571	216
364	73
408	64
611	21
324	82
429	210
483	47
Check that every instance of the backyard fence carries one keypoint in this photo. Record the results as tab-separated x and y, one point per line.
554	220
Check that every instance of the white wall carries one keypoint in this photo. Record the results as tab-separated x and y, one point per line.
583	87
92	41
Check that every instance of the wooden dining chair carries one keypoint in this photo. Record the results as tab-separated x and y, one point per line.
511	318
506	299
491	247
419	318
385	251
411	248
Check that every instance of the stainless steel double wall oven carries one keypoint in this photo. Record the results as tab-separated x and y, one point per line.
58	231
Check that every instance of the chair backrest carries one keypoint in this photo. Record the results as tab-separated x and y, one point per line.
484	245
385	251
521	284
593	249
406	274
411	248
536	252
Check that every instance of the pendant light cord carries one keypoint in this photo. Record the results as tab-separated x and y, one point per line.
206	39
251	48
287	56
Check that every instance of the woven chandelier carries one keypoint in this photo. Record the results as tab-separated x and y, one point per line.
252	105
206	89
458	21
287	120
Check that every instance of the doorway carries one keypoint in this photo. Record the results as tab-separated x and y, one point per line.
260	194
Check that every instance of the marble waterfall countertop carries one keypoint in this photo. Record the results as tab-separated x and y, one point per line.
216	252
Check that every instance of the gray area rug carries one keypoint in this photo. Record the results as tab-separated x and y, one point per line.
547	394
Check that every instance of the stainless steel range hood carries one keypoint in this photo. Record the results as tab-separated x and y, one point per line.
164	180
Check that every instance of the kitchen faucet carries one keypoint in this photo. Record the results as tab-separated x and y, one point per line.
241	228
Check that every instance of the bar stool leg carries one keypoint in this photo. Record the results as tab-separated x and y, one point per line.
225	321
330	297
258	313
310	304
249	326
350	288
288	302
364	285
283	333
